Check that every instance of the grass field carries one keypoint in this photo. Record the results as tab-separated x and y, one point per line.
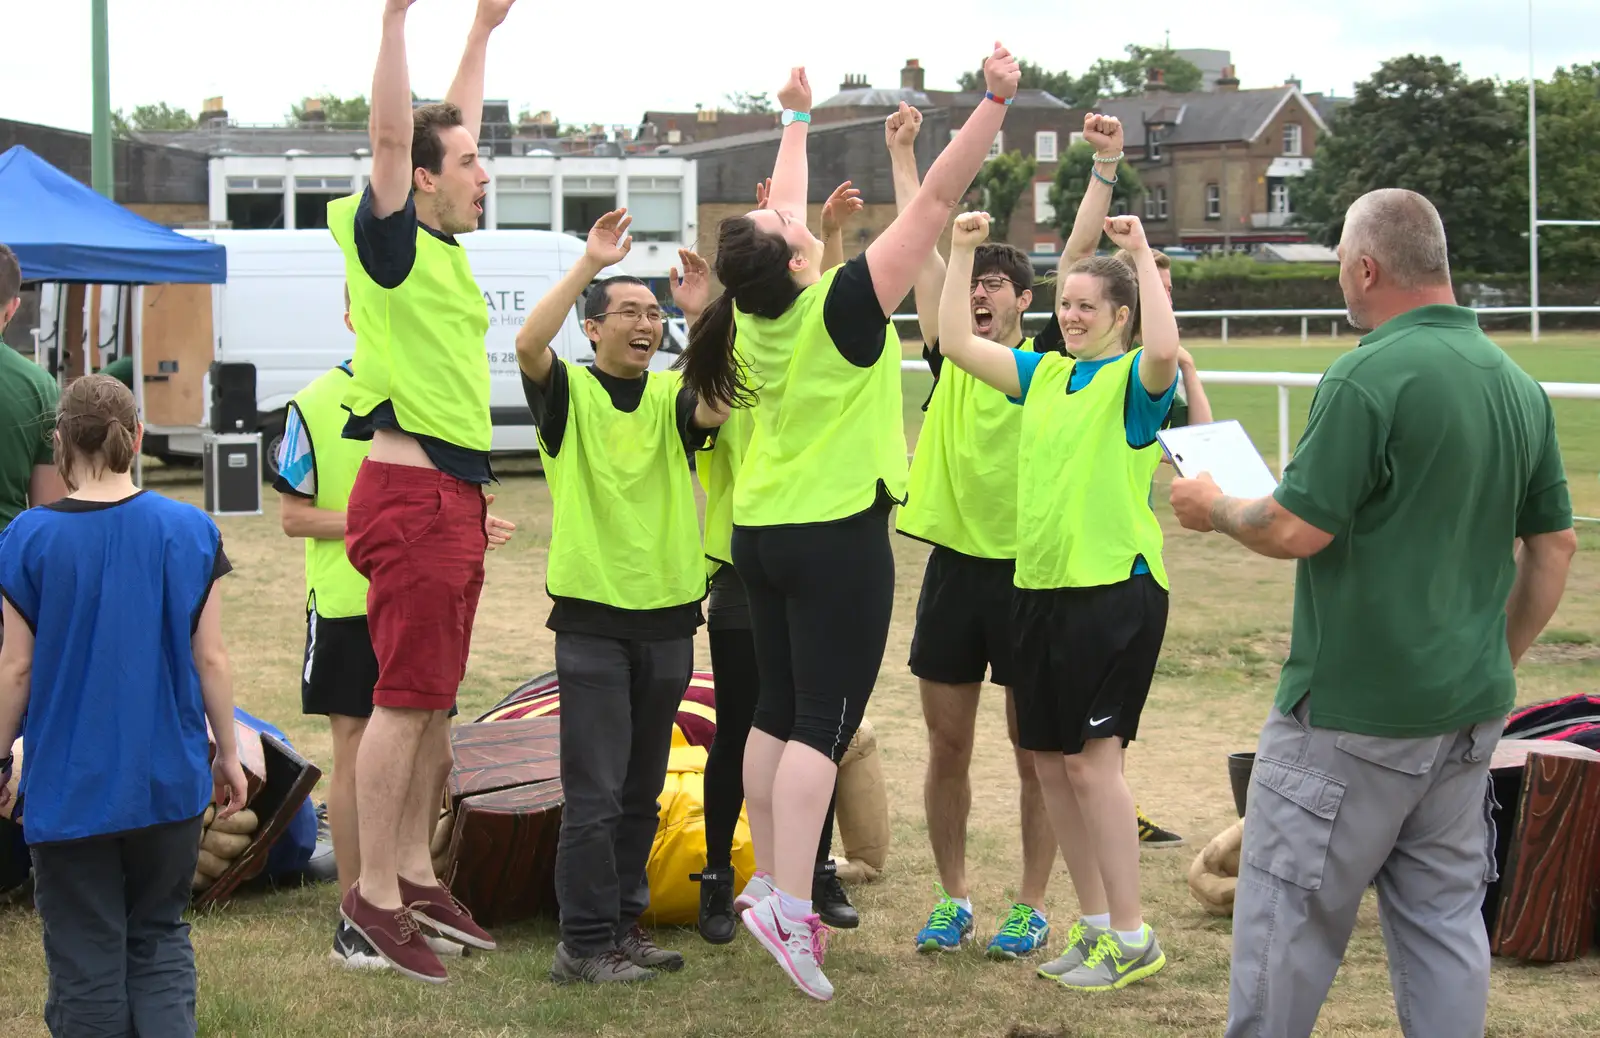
262	959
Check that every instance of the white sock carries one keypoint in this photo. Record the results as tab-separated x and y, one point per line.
1134	938
964	902
793	907
1103	920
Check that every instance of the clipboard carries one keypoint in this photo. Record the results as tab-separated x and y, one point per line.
1224	450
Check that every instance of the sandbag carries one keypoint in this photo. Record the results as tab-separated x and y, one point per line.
242	822
211	865
1214	873
862	810
679	848
227	846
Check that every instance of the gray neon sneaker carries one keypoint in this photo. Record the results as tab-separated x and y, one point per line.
1114	964
1081	940
609	967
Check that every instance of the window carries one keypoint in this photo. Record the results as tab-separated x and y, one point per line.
1044	145
584	200
1043	211
1161	203
656	205
1279	195
1213	202
1075	137
523	203
1155	146
1044	247
311	198
999	146
256	203
1150	204
1291	138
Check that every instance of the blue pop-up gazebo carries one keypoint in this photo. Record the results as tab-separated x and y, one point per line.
62	230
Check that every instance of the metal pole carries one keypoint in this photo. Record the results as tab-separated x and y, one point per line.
136	334
100	144
1283	429
1224	329
1533	189
1305	335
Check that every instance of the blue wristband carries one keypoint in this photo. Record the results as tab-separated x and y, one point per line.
1096	171
990	95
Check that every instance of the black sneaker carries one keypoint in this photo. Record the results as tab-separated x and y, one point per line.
352	951
609	967
718	921
829	900
1153	836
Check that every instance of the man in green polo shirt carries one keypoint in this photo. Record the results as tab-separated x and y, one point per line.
27	414
1428	456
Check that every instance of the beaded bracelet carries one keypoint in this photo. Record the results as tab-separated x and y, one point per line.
1111	160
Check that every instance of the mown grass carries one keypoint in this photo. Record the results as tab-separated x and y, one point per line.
262	959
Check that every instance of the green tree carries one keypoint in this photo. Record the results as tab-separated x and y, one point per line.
1074	90
1569	168
336	110
159	116
1420	123
1072	176
1126	77
749	104
1000	185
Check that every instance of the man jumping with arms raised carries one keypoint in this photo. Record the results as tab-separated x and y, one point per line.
415	519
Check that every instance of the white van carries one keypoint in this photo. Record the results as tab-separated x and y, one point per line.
282	310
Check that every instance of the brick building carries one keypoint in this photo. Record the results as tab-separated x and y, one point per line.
847	144
1219	166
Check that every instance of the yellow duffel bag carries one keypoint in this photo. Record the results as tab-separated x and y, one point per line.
680	845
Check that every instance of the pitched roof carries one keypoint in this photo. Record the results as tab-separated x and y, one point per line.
1205	117
885	97
745	140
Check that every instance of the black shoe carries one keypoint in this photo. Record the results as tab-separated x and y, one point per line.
718	921
352	951
829	900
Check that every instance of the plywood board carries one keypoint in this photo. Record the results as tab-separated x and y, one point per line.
178	348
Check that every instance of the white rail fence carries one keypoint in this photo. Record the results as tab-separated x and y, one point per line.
1335	317
1287	380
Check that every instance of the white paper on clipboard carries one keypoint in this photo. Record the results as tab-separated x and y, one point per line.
1224	450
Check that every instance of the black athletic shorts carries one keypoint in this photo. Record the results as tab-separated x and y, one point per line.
1085	659
964	620
340	669
727	606
821	595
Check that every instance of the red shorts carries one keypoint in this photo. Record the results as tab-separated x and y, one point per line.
417	535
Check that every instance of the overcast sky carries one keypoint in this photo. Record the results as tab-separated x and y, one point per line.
608	62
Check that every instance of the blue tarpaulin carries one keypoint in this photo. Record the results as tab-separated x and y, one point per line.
62	230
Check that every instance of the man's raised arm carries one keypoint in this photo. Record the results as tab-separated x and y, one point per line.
389	124
466	90
608	242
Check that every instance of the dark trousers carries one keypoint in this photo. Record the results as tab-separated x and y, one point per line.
115	941
618	702
733	663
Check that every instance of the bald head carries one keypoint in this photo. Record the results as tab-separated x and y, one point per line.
1402	233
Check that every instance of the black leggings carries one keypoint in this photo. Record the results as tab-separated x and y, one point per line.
738	683
820	601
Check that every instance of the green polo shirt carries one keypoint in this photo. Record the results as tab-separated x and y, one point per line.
27	418
1427	453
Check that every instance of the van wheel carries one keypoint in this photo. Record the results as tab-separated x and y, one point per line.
271	440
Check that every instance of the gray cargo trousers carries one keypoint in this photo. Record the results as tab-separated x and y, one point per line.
1331	812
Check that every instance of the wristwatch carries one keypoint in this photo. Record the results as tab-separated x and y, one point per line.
791	116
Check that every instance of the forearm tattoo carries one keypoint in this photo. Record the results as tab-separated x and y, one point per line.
1239	518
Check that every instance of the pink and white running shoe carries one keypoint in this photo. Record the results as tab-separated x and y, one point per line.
798	945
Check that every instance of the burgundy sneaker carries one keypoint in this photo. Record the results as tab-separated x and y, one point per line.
438	909
395	934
